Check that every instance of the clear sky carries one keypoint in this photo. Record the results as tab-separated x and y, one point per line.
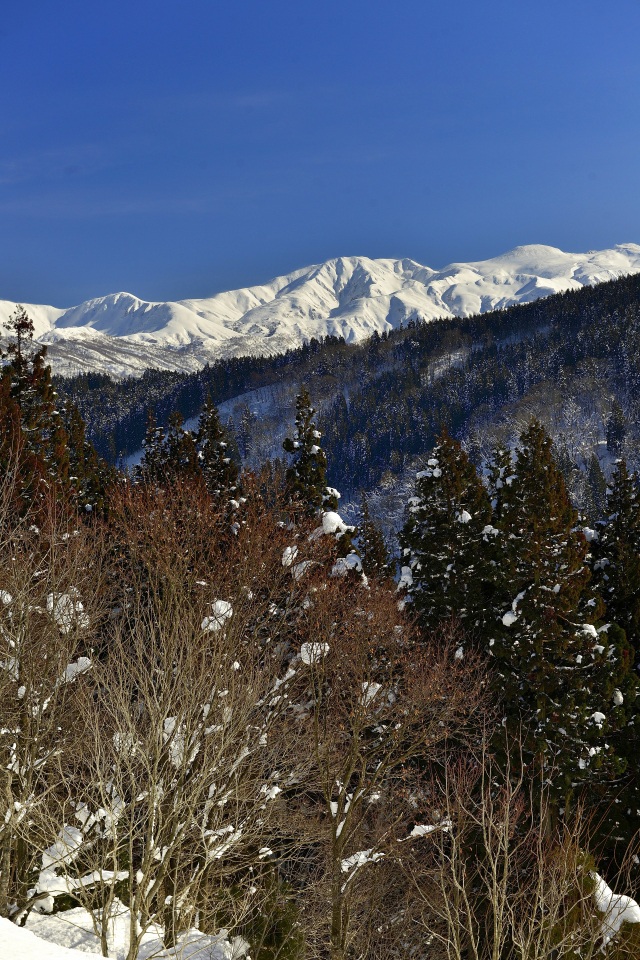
175	149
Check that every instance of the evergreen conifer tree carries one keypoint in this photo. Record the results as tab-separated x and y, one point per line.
29	383
169	455
306	478
446	539
597	489
371	544
151	466
616	566
181	461
500	477
89	475
218	469
21	354
19	466
616	429
617	554
565	687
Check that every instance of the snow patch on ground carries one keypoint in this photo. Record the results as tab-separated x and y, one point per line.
69	936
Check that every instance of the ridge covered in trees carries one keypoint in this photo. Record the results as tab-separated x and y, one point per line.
220	712
382	403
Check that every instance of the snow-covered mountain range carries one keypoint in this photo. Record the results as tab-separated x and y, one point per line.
350	297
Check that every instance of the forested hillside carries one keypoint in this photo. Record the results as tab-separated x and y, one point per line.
571	359
230	723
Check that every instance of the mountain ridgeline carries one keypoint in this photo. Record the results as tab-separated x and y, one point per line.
348	297
572	359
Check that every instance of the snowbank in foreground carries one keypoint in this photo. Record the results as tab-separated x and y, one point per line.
69	936
19	944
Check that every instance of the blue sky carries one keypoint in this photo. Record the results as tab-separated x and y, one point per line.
175	149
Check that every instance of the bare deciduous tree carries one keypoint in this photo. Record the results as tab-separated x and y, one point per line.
373	708
50	601
491	882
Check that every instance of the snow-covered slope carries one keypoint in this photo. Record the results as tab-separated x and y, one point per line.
350	297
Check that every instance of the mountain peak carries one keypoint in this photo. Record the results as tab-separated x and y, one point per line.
347	296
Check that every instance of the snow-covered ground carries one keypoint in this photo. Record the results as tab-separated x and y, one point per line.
351	297
69	936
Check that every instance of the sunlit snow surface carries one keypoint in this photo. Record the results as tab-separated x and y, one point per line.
69	936
351	297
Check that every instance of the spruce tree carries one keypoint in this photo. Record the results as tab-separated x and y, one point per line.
500	477
306	478
597	489
21	353
23	471
151	466
565	687
218	469
446	539
616	566
29	384
169	455
181	461
89	474
616	554
371	544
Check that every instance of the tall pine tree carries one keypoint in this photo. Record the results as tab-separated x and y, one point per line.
218	468
446	539
616	429
48	443
30	385
181	461
150	468
371	544
169	455
89	475
616	567
565	686
306	478
617	554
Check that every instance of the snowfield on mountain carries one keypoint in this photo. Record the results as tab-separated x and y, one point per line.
350	297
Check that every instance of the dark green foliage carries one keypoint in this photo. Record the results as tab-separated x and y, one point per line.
306	478
515	571
23	357
218	468
149	470
181	454
18	463
41	442
597	485
500	476
617	554
30	386
169	455
616	429
371	544
445	541
89	475
556	675
616	565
